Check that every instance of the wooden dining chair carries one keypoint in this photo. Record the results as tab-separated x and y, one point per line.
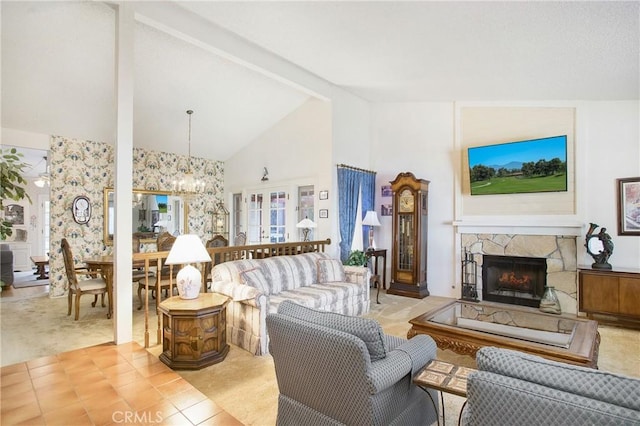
216	241
164	242
240	239
95	284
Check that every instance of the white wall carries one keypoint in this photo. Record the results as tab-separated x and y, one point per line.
297	147
418	138
296	151
612	151
351	145
25	139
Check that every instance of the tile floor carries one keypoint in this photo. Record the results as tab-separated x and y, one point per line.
103	385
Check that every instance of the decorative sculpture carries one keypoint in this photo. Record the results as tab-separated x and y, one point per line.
600	249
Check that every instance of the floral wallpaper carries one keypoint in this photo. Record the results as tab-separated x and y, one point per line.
79	167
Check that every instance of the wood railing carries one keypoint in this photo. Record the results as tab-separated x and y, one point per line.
147	265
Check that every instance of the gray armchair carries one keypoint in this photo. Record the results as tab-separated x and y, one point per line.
515	388
334	369
6	265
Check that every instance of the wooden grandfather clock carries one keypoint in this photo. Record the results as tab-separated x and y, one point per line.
409	254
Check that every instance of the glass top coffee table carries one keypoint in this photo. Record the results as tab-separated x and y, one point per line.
465	327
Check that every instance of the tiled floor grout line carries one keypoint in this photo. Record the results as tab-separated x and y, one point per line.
171	399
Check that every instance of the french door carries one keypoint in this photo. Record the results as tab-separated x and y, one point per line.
267	217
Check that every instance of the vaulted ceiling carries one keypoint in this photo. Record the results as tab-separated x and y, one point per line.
58	62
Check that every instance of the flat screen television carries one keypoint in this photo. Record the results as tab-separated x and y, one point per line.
536	165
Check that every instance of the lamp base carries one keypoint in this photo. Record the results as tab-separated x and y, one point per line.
189	281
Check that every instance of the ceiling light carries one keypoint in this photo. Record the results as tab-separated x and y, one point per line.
43	178
189	185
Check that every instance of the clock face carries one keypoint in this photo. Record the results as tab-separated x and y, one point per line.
405	201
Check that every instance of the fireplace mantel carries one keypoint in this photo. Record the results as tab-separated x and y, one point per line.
519	226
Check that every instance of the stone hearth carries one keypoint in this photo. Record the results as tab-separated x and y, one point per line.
559	251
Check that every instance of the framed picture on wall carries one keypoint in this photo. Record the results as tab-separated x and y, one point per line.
323	213
385	191
14	214
386	209
629	206
323	195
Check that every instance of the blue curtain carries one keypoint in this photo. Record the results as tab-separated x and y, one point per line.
368	185
350	181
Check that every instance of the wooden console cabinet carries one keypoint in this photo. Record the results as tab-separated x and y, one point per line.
194	331
613	293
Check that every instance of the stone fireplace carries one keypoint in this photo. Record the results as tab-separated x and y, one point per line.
513	279
558	253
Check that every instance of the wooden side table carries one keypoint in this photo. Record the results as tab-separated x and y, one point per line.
444	377
194	332
376	254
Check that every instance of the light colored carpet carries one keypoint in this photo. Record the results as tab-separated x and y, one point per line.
243	385
28	279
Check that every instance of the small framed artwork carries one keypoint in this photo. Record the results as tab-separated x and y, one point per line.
385	191
323	195
629	206
169	217
323	213
14	214
386	209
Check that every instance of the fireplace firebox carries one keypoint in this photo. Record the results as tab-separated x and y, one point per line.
513	279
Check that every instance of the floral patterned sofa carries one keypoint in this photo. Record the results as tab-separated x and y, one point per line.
258	286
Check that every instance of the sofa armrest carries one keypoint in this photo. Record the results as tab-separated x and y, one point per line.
408	358
497	399
388	371
601	385
421	349
237	292
357	274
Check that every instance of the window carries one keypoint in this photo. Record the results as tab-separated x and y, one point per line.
306	208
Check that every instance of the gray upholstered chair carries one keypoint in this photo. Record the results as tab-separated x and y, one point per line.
515	388
6	265
334	369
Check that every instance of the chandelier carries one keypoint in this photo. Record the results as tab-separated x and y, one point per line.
188	185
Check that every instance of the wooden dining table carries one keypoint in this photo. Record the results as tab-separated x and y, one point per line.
105	265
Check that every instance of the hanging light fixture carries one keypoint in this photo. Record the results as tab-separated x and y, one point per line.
43	178
189	185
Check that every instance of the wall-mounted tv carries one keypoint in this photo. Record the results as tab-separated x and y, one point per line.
536	165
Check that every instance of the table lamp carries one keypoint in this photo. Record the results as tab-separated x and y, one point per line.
188	249
306	224
371	220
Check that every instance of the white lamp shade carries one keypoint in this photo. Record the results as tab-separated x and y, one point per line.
187	248
306	223
371	219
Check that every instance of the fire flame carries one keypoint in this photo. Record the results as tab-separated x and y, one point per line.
509	279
